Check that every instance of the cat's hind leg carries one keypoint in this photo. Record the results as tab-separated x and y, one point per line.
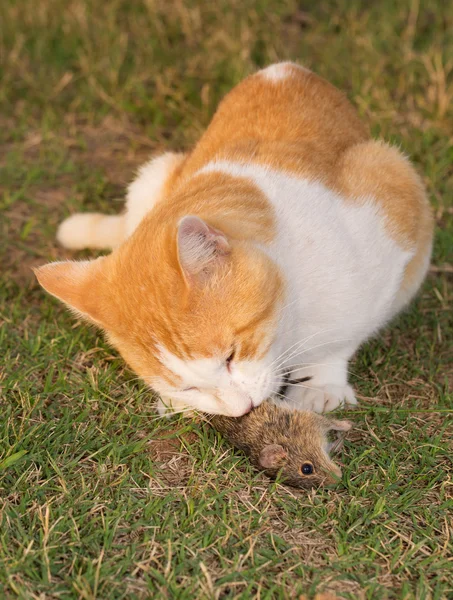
377	172
96	230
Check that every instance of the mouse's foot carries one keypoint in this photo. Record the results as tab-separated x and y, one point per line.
320	399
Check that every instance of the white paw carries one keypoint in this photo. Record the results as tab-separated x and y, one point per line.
166	407
163	409
321	399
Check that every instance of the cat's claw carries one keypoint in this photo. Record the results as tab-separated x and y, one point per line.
322	399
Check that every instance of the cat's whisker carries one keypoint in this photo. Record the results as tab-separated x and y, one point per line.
300	385
305	350
285	398
330	329
299	352
286	383
289	304
283	356
303	366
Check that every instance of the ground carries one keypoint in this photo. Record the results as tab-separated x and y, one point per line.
100	498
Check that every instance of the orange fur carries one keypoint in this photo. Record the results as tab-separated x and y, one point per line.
139	321
131	303
319	137
302	125
374	169
316	134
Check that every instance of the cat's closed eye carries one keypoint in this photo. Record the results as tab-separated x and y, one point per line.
229	360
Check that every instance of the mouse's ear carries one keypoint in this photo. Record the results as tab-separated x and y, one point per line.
272	456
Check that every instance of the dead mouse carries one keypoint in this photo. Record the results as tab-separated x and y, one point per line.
292	442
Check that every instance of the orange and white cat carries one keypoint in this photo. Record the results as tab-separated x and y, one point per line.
280	243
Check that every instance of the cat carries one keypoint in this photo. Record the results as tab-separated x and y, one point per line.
267	254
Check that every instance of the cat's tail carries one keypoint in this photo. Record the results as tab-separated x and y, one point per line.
92	230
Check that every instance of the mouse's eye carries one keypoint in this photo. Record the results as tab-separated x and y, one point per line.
307	469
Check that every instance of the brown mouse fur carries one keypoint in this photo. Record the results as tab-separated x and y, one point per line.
280	440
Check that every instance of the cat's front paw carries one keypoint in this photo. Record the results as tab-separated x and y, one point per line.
321	399
163	409
338	395
166	407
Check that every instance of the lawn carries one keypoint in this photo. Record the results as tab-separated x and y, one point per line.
100	498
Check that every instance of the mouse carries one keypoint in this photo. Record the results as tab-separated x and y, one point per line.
286	442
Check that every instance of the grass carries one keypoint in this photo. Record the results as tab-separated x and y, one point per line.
98	497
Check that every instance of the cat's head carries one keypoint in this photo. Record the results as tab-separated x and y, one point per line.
192	312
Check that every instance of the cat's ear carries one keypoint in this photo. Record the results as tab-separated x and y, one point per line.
201	248
77	285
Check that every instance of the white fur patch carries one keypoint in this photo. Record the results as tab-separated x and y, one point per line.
193	373
280	71
145	190
216	390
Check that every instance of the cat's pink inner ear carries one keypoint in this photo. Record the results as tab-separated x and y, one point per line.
74	283
201	247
